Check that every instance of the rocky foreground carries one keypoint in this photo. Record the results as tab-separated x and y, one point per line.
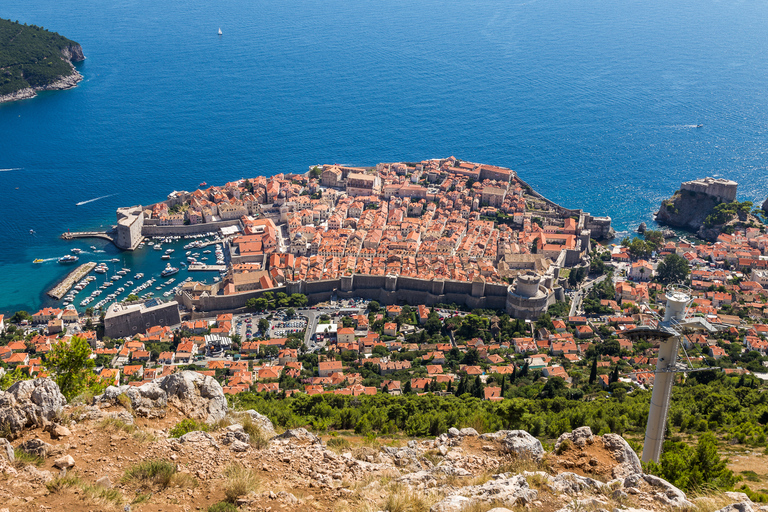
100	455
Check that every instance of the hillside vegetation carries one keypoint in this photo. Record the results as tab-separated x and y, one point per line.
31	56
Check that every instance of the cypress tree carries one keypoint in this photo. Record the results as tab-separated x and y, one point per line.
593	371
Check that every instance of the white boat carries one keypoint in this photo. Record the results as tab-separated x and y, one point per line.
165	257
219	30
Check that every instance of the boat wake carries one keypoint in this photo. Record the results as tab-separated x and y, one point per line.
81	203
12	169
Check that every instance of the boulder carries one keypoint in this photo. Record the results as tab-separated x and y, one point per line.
628	461
30	403
521	443
64	462
468	431
195	395
668	494
264	423
59	431
36	447
299	434
239	446
6	450
578	437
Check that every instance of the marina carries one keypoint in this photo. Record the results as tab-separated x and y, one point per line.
61	289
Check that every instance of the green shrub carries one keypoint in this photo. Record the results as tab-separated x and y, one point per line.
338	443
188	425
151	472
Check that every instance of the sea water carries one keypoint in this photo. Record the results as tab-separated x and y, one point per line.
593	102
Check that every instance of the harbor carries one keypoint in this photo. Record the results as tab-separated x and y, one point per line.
61	289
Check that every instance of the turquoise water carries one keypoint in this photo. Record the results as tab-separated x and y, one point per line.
592	102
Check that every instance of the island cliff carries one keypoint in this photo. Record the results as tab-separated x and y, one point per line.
33	59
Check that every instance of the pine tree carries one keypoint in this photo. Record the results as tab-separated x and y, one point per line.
593	371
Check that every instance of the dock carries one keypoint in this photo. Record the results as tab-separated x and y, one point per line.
73	277
203	266
106	235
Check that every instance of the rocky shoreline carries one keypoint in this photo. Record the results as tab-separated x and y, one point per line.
71	53
63	83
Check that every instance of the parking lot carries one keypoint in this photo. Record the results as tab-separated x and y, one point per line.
247	326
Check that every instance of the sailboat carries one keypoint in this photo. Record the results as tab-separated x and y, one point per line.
219	30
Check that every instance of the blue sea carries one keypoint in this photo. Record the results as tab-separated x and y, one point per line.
593	102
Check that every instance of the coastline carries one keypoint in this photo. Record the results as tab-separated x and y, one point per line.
63	83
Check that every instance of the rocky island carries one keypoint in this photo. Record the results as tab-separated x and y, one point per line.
707	207
33	59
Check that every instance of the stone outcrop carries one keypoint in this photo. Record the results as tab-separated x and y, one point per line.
261	421
197	396
30	403
518	442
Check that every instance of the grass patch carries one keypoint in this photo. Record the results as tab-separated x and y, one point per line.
432	456
338	444
239	481
25	459
123	400
113	424
222	506
151	472
403	499
751	476
564	446
95	494
63	482
141	498
186	426
257	439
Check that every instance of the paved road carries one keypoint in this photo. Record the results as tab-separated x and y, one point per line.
582	292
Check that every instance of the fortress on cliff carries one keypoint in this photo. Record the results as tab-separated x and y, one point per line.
719	188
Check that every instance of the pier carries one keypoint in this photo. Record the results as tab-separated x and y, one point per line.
73	277
203	266
106	235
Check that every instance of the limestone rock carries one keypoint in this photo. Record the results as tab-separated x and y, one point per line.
738	507
198	437
195	395
36	447
64	462
264	423
629	462
299	434
104	482
468	431
521	443
451	504
579	437
239	446
571	483
59	431
669	494
30	403
6	450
